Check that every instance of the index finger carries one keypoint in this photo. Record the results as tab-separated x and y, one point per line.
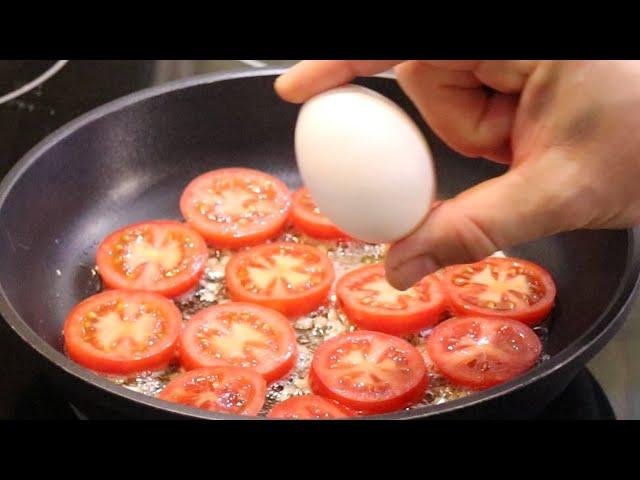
310	77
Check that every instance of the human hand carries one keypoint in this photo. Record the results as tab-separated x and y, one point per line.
568	130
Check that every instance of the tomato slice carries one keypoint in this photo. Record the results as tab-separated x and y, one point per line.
123	331
308	407
372	304
291	278
236	207
480	352
242	335
223	389
160	256
370	372
307	218
501	287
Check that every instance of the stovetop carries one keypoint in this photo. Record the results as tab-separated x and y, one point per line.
54	92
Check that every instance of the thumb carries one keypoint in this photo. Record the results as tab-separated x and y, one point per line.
516	207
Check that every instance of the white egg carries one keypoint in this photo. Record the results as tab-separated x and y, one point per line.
365	162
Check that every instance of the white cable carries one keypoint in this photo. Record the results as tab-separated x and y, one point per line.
254	63
34	83
388	74
259	64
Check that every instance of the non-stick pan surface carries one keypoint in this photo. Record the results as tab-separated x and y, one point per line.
129	161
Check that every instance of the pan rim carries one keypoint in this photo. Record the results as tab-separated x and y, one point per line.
605	326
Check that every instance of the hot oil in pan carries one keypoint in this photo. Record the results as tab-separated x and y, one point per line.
311	329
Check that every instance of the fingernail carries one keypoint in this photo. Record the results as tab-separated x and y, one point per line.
410	272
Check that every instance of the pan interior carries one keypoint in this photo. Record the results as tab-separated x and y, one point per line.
132	164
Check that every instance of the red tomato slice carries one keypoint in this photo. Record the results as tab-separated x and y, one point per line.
501	287
242	335
369	372
307	218
223	389
372	304
123	331
291	278
308	407
165	257
236	207
481	352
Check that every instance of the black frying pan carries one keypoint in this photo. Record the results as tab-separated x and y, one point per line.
129	161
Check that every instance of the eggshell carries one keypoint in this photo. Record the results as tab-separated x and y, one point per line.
365	162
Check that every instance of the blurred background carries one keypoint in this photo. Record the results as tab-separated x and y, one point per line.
38	96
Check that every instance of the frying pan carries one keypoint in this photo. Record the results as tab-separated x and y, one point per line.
129	160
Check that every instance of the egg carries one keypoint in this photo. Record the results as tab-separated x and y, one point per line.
365	162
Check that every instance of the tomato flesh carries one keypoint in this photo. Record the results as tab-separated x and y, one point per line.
165	257
222	389
308	407
372	304
501	287
291	278
236	207
370	372
481	352
307	218
242	335
123	331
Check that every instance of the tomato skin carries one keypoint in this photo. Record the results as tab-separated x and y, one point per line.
171	287
235	386
505	347
324	382
531	315
416	314
272	368
96	359
309	407
217	233
366	408
311	223
290	304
